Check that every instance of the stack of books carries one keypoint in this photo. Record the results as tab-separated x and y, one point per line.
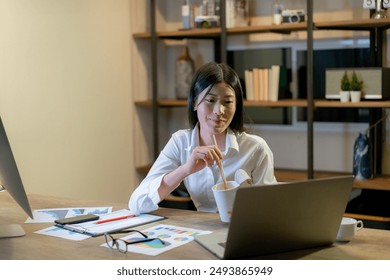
266	83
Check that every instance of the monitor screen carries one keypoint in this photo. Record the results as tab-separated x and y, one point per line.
10	180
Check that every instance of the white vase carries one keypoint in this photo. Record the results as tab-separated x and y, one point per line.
356	95
344	96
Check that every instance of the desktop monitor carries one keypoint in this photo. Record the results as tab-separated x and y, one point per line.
10	180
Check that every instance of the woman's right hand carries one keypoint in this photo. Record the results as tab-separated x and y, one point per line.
203	156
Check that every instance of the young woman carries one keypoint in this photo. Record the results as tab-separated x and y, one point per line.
215	107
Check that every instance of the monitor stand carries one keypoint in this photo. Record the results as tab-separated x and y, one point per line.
12	230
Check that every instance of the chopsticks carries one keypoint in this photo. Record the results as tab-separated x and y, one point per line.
220	166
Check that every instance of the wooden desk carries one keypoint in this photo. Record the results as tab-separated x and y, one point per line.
368	244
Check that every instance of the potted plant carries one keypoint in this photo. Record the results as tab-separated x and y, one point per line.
356	87
344	87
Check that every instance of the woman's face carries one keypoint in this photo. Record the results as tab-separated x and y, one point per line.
216	111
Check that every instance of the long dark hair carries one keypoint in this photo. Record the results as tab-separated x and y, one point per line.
206	77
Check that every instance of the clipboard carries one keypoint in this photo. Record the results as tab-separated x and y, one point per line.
93	228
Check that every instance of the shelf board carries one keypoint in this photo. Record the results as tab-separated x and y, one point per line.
367	217
378	183
179	34
362	24
361	104
285	28
191	33
175	198
216	32
142	35
170	103
165	103
279	103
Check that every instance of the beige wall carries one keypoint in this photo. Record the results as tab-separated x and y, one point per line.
65	95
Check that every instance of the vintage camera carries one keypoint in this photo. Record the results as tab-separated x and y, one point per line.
202	22
292	16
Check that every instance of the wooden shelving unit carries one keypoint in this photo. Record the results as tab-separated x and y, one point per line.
219	35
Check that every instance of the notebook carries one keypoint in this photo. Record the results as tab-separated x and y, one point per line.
282	217
116	223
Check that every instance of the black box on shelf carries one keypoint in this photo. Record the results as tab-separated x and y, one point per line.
376	82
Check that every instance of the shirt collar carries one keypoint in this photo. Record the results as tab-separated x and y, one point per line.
231	140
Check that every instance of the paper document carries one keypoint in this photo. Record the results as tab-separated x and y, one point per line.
63	233
173	236
115	222
51	214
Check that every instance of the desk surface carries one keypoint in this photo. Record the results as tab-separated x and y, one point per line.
368	244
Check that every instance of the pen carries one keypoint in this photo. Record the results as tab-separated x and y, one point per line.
116	219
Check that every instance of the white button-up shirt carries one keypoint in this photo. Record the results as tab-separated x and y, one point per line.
247	153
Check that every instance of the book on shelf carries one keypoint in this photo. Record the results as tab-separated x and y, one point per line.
237	13
266	83
256	84
260	84
273	89
249	85
284	83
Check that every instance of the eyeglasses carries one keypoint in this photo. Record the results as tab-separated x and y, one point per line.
122	244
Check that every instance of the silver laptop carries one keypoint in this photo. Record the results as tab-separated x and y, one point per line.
283	217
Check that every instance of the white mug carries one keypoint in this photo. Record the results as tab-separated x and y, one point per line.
348	229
